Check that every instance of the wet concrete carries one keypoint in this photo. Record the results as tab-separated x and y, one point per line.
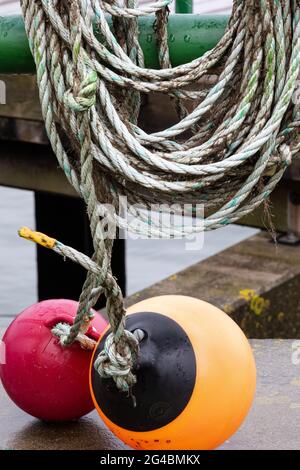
257	284
273	422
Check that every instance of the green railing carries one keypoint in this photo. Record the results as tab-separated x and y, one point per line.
184	6
190	36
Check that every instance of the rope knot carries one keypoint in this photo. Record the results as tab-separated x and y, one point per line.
62	332
117	360
86	97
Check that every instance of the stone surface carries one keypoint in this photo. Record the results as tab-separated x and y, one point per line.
273	422
256	282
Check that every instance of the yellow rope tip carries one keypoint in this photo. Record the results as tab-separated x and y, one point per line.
37	237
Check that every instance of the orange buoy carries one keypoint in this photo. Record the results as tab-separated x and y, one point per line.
196	377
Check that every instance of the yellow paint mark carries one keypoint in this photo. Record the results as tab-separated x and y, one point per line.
37	237
247	294
257	304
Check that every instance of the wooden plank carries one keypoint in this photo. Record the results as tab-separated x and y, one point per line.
32	166
22	99
21	120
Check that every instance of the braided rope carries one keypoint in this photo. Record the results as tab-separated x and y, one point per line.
62	331
242	127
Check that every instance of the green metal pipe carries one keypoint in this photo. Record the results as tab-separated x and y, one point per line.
190	36
184	6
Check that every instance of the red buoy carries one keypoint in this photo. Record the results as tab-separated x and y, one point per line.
48	381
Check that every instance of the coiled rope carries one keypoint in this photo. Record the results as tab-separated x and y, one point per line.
228	150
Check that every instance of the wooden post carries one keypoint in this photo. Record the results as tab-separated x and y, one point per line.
65	218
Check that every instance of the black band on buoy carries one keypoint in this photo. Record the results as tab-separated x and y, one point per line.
166	374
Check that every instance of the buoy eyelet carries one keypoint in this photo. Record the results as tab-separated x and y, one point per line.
140	334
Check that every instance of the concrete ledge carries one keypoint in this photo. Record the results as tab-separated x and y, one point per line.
256	282
273	423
